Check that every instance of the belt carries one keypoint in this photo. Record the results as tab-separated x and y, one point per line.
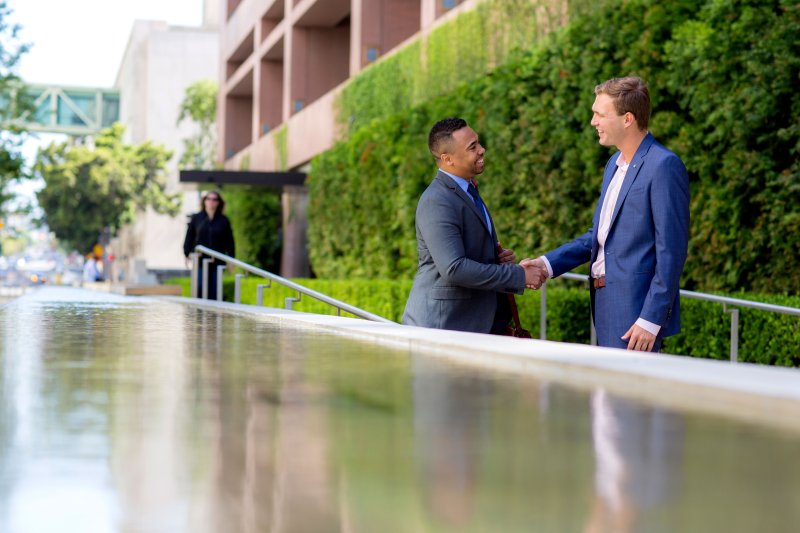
599	283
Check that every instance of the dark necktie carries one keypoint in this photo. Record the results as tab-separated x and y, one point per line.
473	191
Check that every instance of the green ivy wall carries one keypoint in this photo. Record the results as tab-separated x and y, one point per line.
723	77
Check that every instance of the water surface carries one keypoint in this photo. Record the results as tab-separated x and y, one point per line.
125	415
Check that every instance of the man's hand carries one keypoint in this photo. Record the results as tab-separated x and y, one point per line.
507	256
535	272
641	340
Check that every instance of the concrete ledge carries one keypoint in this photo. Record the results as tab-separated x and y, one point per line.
146	290
760	394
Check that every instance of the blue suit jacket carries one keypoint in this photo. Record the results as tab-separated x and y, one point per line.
646	246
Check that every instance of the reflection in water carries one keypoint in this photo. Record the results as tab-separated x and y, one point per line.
638	458
447	434
130	416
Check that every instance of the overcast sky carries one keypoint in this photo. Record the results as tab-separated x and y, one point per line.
81	42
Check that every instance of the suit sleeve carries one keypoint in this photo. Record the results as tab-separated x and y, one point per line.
572	254
669	198
579	250
441	228
188	241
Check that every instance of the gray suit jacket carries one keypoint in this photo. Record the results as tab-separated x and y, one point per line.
458	278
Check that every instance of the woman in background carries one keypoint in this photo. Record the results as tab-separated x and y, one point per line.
212	229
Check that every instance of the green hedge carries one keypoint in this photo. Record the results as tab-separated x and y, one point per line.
255	215
765	338
724	97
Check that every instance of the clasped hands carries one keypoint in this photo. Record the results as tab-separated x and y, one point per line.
535	270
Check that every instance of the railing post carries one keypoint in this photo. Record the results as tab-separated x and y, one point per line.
220	273
734	332
543	312
193	290
289	301
237	288
260	292
206	265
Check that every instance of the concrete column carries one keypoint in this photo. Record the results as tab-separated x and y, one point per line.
288	60
211	13
294	257
356	28
258	90
428	13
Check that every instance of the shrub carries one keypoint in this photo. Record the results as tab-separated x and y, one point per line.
764	337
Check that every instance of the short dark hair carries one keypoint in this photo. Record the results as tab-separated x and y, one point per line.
442	132
220	205
630	95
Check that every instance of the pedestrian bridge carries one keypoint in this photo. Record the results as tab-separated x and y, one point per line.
75	111
180	415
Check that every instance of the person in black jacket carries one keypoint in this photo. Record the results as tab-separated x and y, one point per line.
212	229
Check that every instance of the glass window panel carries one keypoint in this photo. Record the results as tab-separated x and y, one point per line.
110	110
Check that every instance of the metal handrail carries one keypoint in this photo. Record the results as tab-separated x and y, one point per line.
333	302
726	302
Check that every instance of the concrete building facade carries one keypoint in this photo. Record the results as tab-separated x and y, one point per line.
159	63
282	64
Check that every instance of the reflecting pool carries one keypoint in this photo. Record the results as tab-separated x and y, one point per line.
126	415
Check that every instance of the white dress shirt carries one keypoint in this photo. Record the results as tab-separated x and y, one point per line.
604	225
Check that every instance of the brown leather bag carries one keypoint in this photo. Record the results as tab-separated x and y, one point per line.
515	329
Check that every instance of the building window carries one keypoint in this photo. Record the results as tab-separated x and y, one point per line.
449	4
371	53
264	129
298	105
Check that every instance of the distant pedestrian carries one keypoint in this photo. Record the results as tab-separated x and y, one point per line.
212	229
91	272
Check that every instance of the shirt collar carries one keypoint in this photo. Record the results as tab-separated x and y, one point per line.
621	163
460	181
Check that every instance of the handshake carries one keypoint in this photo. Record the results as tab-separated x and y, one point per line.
535	272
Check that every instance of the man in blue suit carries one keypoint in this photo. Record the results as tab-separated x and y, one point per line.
640	231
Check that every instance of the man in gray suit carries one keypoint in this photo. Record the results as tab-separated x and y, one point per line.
462	276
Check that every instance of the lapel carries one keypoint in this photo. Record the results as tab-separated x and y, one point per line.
608	174
633	171
465	197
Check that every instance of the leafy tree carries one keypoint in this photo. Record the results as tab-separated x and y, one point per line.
11	107
88	188
200	106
